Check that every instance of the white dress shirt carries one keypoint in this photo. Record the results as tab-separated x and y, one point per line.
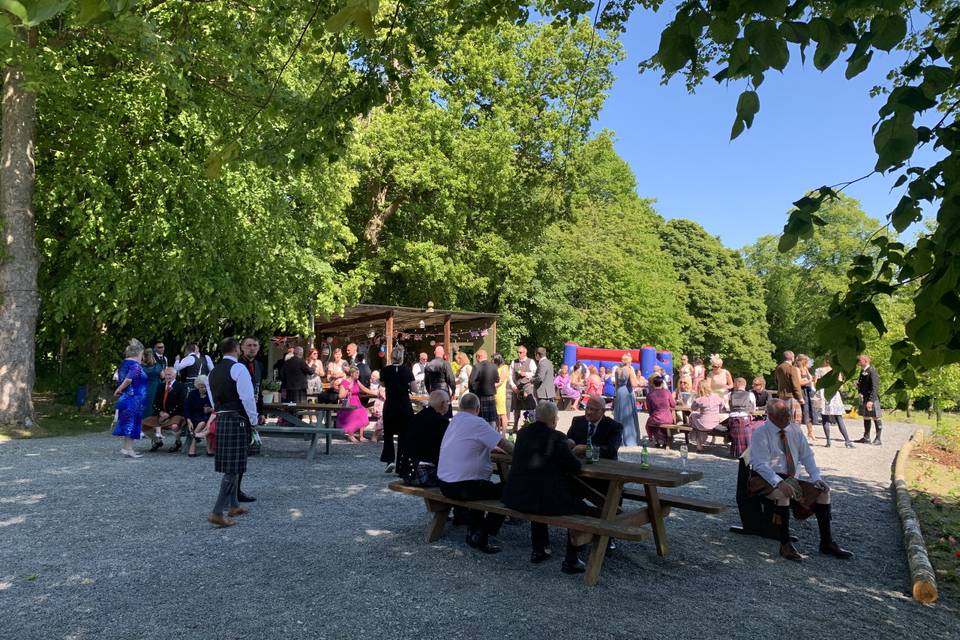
189	359
241	375
768	458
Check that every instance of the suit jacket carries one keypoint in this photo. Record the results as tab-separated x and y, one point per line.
868	385
608	436
438	374
294	373
425	432
540	475
788	381
484	379
544	389
175	399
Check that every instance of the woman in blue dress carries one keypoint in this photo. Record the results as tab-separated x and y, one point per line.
131	395
152	368
625	402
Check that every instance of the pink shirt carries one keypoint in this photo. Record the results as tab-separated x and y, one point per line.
660	406
709	408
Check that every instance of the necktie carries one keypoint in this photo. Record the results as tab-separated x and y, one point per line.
591	429
791	465
166	392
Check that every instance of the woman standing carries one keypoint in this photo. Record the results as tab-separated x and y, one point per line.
686	369
501	397
720	379
706	414
152	368
625	402
198	408
699	374
356	420
806	405
398	382
131	395
463	372
832	411
336	367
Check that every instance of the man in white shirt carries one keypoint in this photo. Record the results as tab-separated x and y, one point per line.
192	365
776	448
522	371
418	369
465	468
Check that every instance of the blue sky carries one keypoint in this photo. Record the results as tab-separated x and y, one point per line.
813	129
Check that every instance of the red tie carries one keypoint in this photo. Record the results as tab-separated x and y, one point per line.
791	465
166	390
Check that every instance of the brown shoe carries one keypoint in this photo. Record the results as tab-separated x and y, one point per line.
218	520
237	511
789	552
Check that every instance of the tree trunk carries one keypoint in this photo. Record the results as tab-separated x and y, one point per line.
20	260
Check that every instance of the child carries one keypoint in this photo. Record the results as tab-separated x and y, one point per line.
377	411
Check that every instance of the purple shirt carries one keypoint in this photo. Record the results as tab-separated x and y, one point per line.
660	406
465	450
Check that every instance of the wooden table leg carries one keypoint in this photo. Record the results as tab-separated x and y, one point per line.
435	530
656	519
599	551
312	451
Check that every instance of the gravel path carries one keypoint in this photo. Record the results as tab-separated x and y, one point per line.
96	546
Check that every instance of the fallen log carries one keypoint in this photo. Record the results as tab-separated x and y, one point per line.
921	571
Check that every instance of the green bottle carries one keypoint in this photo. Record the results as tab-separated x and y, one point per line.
588	454
644	455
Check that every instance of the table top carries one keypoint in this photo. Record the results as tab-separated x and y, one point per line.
302	406
629	472
685	409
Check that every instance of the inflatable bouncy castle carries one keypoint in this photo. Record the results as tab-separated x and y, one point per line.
643	359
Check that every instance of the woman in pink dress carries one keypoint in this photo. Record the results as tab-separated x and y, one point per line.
594	384
706	414
353	422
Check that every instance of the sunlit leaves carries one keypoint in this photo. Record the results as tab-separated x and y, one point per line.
895	140
359	13
747	107
888	31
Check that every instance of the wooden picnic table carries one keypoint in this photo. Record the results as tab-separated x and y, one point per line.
289	411
618	473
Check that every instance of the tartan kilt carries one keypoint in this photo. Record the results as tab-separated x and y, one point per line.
488	408
232	441
875	413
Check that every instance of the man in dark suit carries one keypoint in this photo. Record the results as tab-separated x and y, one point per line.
868	386
159	354
544	389
438	376
420	442
483	382
604	432
294	374
540	481
168	409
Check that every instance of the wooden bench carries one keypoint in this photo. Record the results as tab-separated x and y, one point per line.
601	529
677	502
305	433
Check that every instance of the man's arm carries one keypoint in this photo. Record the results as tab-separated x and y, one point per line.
797	385
610	447
241	376
186	362
808	460
760	458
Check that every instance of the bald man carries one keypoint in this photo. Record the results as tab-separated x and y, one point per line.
438	375
483	382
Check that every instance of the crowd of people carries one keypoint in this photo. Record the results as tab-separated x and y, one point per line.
220	404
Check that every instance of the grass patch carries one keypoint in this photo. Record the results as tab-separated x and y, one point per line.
57	420
933	476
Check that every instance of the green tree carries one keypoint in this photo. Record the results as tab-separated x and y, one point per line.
800	284
725	303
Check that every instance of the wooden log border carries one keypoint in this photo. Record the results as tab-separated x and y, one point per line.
922	576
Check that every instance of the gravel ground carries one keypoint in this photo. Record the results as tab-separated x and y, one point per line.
97	546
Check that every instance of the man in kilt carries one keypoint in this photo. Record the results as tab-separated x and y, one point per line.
868	386
777	449
232	391
483	382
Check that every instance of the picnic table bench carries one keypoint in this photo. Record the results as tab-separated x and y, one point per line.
613	521
297	428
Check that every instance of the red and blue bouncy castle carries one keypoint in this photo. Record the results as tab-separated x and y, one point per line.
643	359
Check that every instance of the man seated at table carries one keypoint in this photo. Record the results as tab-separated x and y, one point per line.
775	449
418	450
541	481
605	433
465	468
168	409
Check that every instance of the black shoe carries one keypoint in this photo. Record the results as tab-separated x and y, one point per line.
539	556
175	447
242	497
828	444
611	546
157	444
835	550
574	567
877	442
482	543
863	440
790	553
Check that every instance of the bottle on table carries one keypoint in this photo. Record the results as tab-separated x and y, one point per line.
588	454
644	455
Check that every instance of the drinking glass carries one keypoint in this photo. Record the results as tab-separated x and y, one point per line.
595	453
683	459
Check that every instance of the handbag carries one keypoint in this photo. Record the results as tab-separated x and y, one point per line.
427	475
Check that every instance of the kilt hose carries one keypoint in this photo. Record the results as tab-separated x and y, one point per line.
232	441
488	408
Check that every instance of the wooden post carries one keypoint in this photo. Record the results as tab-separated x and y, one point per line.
491	341
446	336
389	332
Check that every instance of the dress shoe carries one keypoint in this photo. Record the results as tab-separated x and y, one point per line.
863	440
790	553
849	445
217	520
835	550
828	444
157	443
539	556
237	511
175	447
877	442
390	468
611	546
482	543
242	497
574	567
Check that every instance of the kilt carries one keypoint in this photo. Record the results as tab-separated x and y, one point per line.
741	428
232	441
801	506
523	401
876	413
488	408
